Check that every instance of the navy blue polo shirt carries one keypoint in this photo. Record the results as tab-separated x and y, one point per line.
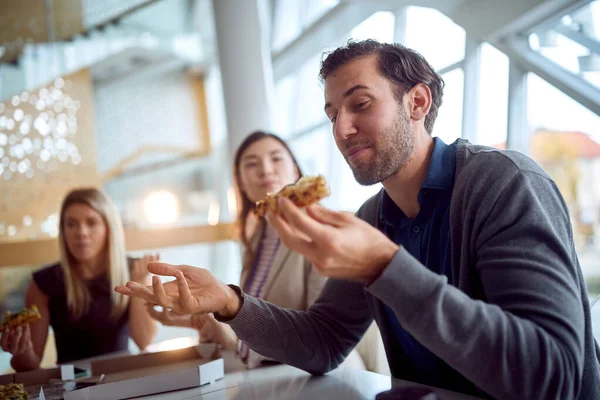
427	238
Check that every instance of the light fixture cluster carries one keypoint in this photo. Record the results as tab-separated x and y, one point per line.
36	131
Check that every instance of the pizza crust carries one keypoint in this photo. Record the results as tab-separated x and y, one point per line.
308	190
23	317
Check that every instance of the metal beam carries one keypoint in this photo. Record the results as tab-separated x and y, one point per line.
472	75
451	67
336	23
584	40
572	85
553	20
518	135
491	20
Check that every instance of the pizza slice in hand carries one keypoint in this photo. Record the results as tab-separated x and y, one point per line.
23	317
13	391
308	190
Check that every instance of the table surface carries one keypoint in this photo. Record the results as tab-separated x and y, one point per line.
284	382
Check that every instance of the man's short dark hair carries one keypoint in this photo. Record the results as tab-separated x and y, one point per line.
402	66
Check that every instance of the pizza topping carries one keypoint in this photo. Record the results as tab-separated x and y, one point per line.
308	190
23	317
13	391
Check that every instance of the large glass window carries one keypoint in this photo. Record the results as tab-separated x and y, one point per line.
493	97
573	42
379	26
445	47
448	125
292	17
566	143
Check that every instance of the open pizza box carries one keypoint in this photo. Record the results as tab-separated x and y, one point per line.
122	377
150	373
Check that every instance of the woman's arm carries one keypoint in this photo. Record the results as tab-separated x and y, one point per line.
314	283
143	327
32	348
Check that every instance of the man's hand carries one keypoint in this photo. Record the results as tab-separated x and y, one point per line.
195	290
339	245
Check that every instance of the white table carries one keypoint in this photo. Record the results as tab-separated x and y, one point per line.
286	382
282	381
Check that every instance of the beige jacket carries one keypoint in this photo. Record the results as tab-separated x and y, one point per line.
292	281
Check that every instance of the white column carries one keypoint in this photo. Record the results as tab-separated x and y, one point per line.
246	68
472	74
401	19
519	134
244	53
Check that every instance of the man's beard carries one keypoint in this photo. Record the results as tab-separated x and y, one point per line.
393	150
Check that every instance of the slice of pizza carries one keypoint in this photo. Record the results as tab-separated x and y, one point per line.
23	317
13	391
308	190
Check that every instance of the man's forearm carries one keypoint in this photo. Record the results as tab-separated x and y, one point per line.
316	340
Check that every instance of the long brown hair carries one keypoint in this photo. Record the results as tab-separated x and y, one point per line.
244	204
78	295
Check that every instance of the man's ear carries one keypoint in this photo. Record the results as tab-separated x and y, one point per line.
419	101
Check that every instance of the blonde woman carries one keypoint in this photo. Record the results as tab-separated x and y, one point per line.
74	296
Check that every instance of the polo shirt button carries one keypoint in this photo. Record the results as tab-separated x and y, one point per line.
416	229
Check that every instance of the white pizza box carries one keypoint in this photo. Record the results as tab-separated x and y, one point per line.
150	373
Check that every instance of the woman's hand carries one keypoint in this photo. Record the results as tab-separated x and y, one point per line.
139	270
212	331
17	340
169	317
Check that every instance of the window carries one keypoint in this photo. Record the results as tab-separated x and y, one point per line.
445	47
292	17
493	97
566	143
299	103
379	26
448	125
573	42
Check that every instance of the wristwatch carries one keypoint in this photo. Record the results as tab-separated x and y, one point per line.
240	296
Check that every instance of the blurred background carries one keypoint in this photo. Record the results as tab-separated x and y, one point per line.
148	99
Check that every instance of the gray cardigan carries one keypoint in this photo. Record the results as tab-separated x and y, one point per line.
515	322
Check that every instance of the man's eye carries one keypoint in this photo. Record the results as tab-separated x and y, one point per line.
361	105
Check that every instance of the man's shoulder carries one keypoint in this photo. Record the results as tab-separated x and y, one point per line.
474	162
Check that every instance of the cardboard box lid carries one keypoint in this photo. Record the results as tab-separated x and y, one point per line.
208	351
35	377
141	382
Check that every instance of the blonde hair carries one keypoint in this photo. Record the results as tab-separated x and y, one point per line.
78	295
